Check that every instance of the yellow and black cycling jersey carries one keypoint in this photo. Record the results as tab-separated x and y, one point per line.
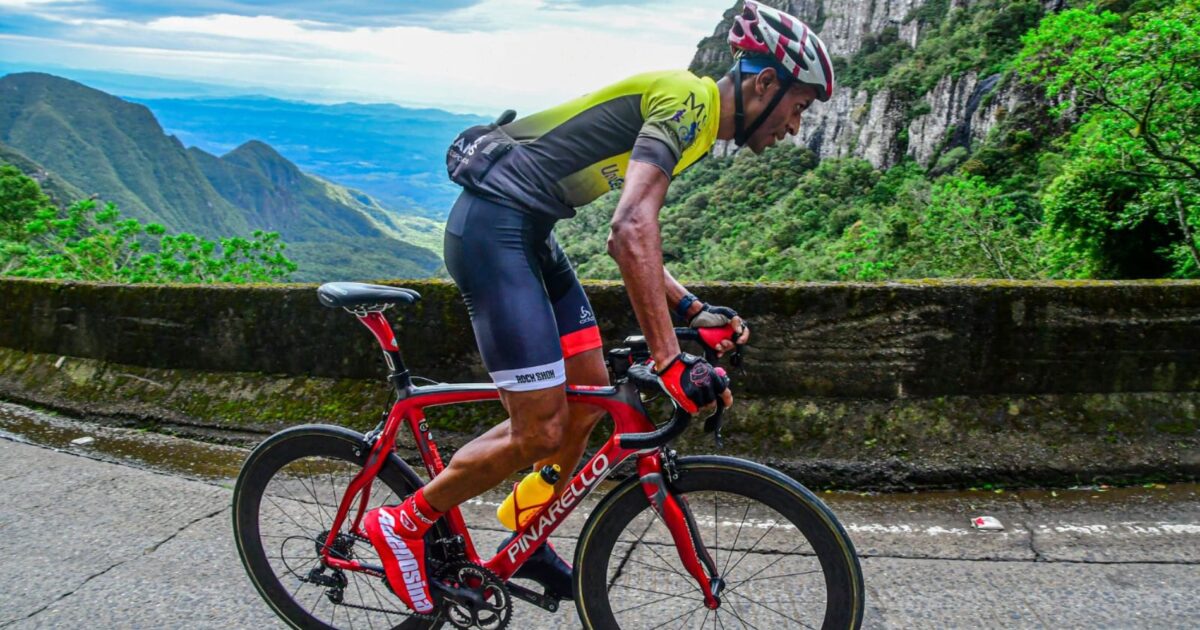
569	155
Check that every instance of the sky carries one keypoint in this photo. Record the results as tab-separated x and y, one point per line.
476	56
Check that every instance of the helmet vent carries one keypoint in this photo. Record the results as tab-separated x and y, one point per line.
779	26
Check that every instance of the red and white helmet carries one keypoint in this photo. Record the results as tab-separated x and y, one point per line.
761	31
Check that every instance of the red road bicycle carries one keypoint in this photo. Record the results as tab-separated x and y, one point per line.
684	542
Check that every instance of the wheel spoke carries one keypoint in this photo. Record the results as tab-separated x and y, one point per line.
689	614
760	604
733	611
650	590
752	547
659	566
729	557
363	600
772	577
661	599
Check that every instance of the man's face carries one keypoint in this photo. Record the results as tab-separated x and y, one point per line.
785	119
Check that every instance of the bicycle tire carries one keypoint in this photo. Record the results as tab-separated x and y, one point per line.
345	451
610	537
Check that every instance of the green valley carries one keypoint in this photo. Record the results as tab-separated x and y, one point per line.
80	142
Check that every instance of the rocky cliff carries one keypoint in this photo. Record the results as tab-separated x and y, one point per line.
885	124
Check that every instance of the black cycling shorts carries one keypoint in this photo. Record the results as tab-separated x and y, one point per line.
526	304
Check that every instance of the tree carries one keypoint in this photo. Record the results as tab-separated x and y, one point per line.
20	199
1137	83
971	229
87	242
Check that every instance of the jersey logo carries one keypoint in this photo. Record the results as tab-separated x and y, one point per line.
612	173
687	133
690	134
585	315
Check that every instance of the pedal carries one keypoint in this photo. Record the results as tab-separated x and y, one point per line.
545	602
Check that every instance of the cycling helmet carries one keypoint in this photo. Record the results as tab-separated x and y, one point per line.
763	37
761	31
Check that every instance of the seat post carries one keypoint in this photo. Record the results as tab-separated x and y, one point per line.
398	374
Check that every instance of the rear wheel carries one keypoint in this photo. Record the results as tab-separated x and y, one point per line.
784	559
284	503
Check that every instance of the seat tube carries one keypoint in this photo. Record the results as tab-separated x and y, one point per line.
678	517
378	325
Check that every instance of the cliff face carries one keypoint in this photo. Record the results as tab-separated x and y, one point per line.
880	126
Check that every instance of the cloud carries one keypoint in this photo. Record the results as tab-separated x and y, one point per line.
344	12
480	55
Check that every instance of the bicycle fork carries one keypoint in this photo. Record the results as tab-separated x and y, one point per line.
675	513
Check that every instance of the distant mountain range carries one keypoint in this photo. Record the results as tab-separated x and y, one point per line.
79	141
395	154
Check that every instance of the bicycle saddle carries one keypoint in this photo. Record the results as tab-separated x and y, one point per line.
344	294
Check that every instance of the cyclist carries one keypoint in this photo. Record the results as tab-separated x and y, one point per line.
535	328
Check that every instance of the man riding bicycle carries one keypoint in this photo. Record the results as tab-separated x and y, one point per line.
535	328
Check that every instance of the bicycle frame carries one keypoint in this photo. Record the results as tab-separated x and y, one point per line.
623	403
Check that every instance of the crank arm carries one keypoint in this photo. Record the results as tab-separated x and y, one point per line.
545	602
464	596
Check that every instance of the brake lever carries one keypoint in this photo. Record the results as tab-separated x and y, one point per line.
712	424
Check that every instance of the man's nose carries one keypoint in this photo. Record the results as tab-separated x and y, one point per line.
793	128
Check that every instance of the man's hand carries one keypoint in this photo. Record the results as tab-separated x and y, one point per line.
710	316
693	383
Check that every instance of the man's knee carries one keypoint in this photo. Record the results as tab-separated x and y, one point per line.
538	430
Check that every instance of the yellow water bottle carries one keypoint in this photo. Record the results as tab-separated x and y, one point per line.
531	493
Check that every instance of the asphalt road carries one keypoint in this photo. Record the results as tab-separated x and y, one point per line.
133	531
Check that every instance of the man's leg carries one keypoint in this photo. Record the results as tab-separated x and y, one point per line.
534	432
586	368
491	252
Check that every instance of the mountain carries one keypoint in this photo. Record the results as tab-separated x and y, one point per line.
916	78
60	191
394	154
116	150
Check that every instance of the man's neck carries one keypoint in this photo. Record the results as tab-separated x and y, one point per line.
728	125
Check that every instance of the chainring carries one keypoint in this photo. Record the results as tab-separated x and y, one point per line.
493	611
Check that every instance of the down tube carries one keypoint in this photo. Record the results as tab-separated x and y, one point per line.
539	528
545	521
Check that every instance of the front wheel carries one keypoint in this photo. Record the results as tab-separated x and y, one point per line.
785	560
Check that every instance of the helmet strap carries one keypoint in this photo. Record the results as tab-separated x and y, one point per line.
739	114
740	133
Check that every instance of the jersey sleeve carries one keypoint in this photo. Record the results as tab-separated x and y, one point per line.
675	110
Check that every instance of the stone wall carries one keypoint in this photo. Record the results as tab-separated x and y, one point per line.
882	384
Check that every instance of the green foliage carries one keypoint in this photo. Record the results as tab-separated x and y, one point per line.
1126	201
89	242
972	228
20	199
877	56
779	217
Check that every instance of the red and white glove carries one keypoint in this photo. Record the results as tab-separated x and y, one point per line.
692	382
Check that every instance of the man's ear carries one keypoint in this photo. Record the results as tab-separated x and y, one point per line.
764	80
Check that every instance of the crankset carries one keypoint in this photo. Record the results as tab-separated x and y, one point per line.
472	597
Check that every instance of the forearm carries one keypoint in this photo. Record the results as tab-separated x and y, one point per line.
675	292
635	245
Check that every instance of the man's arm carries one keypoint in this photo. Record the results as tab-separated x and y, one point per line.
635	243
676	292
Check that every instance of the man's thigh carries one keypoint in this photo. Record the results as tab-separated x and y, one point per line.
587	368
